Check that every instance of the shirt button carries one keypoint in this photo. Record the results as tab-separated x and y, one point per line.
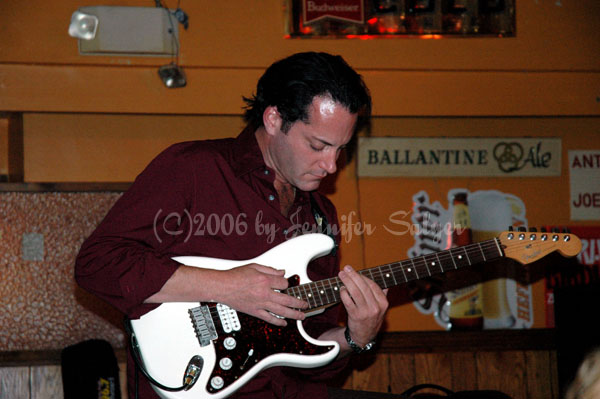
285	232
271	197
266	172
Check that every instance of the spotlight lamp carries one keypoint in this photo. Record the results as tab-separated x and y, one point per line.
83	26
172	76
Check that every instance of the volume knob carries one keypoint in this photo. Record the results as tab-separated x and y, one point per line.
225	363
217	382
229	343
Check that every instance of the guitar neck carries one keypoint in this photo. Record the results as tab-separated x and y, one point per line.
326	292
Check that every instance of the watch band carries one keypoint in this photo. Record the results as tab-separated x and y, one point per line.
354	345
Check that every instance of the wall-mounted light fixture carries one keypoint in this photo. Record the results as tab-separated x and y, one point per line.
132	31
83	26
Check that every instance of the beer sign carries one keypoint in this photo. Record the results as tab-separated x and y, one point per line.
342	10
584	175
458	157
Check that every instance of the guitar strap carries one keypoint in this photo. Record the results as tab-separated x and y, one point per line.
323	225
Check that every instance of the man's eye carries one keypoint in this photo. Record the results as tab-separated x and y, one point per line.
317	148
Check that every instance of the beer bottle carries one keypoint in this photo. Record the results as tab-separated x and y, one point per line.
465	303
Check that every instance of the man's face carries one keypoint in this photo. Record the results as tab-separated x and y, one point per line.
308	152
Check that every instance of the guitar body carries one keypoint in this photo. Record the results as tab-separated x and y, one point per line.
236	346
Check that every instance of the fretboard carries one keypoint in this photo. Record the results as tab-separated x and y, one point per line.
326	292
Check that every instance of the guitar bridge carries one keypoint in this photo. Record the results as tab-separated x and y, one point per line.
203	324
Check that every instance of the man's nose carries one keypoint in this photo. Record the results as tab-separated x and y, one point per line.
329	162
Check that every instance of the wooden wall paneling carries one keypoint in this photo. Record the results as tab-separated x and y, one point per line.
375	377
46	382
402	372
503	371
123	379
539	375
464	371
14	383
554	374
433	368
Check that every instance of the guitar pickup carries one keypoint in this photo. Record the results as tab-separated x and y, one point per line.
229	318
203	324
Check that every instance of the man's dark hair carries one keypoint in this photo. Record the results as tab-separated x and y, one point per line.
292	83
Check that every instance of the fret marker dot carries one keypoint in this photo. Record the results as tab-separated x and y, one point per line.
335	288
387	275
322	292
309	295
459	256
432	263
409	269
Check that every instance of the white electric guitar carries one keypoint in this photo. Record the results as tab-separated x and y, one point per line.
208	350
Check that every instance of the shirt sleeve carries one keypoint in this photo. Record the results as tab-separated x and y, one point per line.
127	259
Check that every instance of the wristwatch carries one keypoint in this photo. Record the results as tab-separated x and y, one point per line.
354	346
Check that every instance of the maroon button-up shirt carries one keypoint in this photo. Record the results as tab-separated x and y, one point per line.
205	198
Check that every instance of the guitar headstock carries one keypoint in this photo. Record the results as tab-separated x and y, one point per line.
528	246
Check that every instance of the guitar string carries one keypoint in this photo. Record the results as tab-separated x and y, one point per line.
421	270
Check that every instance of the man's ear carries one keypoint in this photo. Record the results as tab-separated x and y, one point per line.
272	120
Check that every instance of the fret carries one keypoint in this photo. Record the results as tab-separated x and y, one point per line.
475	253
452	257
440	262
315	294
433	263
308	297
426	262
498	246
418	263
391	272
413	270
324	291
383	281
482	253
403	272
467	255
294	292
336	289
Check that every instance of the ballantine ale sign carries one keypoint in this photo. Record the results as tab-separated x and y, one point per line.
344	10
451	157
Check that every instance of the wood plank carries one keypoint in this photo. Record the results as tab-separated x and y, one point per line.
502	371
554	375
123	379
15	147
402	372
372	373
46	382
14	382
539	374
433	368
453	341
464	371
218	91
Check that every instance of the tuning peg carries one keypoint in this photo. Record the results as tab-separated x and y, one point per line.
566	230
555	230
532	229
522	229
510	228
543	229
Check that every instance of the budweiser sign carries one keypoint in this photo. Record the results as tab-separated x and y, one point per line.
344	10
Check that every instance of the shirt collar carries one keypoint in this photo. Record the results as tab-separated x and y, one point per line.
247	156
